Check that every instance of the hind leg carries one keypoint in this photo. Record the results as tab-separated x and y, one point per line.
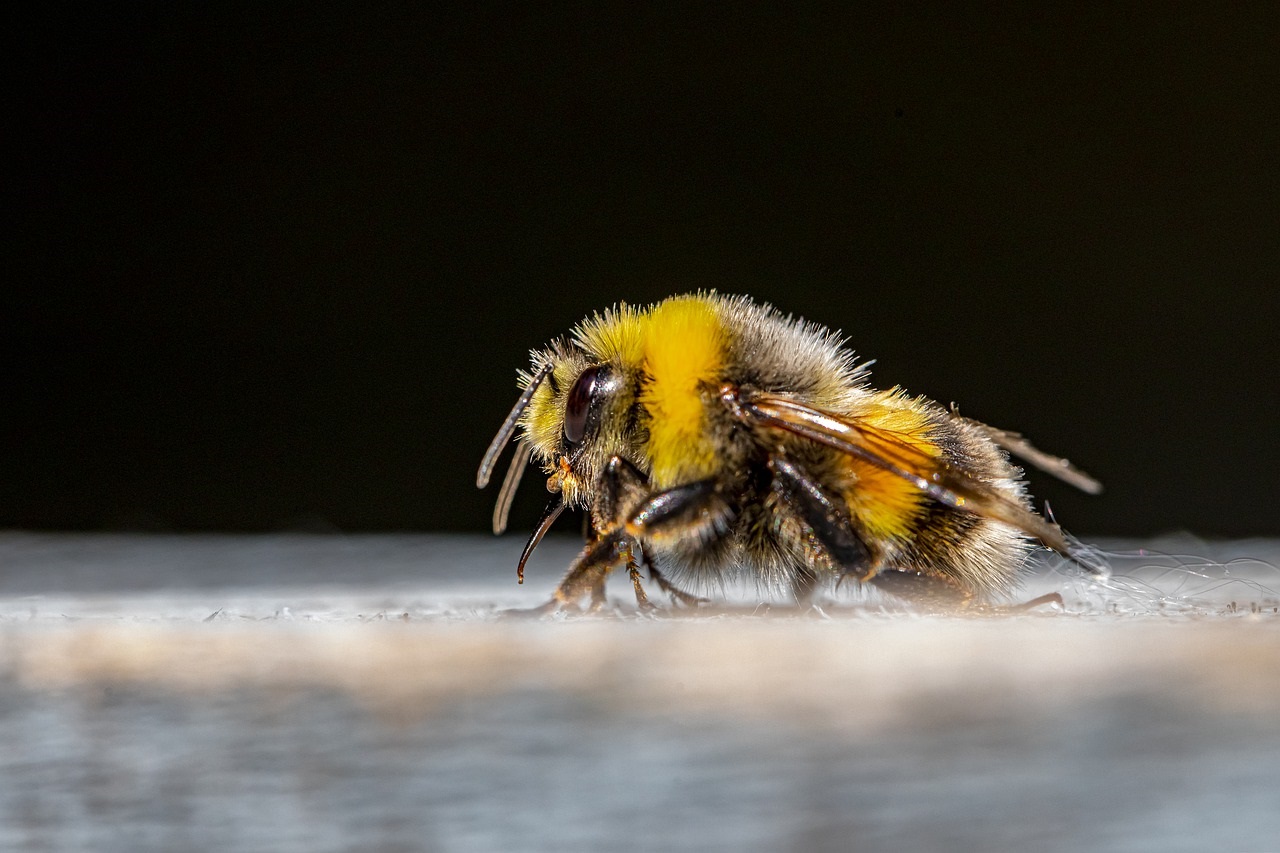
922	588
942	592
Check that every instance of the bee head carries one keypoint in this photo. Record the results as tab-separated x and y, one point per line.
578	418
578	407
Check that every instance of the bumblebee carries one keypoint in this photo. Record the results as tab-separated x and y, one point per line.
709	436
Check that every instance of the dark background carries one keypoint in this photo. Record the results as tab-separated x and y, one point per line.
276	269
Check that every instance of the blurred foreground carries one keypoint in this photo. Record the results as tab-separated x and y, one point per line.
328	692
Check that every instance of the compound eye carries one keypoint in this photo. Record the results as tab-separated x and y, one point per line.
579	404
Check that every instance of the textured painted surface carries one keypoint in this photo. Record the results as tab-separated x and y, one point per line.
327	693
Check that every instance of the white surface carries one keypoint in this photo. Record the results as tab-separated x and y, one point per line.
326	693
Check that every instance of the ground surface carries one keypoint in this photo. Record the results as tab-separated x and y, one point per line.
328	693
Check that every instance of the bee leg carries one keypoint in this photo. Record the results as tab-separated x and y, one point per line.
668	587
633	570
826	520
922	588
623	489
588	572
620	485
1046	600
691	509
598	599
624	501
620	488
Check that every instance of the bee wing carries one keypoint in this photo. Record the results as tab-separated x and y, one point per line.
886	450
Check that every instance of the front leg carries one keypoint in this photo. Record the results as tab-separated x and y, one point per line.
627	514
620	488
588	572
